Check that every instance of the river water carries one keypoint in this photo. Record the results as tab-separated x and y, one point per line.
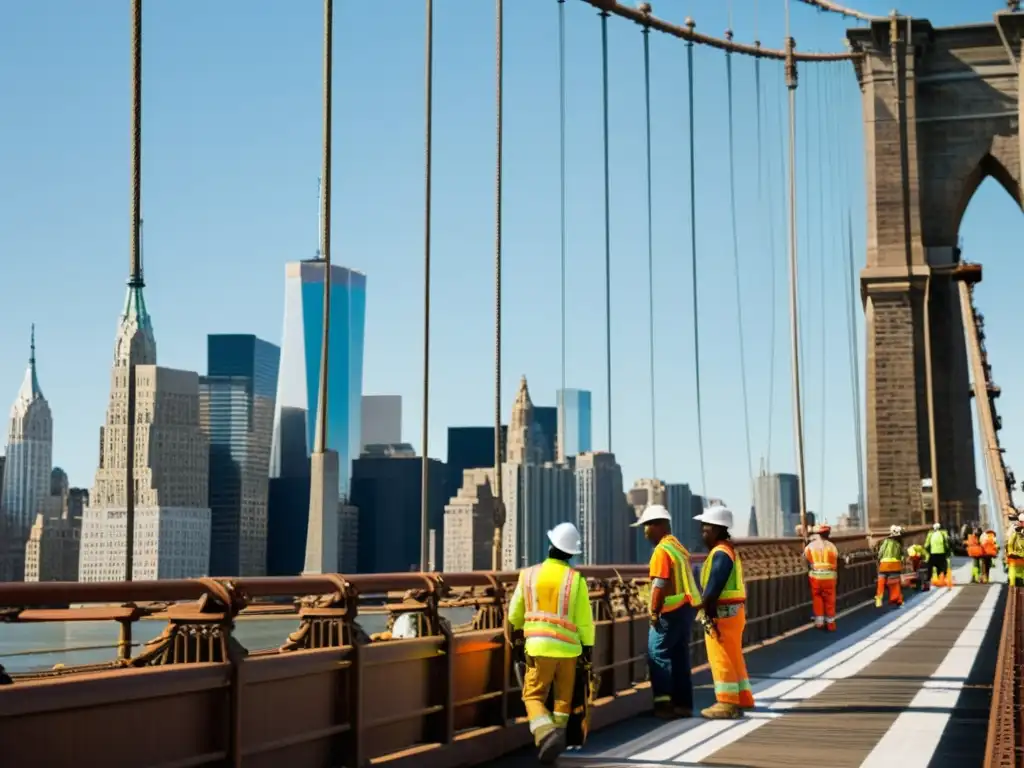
58	642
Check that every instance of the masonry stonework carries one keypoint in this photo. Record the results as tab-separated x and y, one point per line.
941	114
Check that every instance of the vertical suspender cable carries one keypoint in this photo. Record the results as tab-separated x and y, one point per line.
794	320
428	142
693	265
135	280
736	256
607	224
650	247
561	180
822	111
499	518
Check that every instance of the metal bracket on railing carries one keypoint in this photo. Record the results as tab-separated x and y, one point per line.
327	621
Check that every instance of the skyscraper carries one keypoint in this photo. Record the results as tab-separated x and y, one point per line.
545	421
51	553
776	504
470	448
387	492
237	415
469	523
604	515
29	462
574	405
171	466
299	380
381	420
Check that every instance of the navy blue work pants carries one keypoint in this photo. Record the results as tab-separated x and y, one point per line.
668	658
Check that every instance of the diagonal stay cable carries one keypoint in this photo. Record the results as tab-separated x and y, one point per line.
822	104
736	257
650	247
693	269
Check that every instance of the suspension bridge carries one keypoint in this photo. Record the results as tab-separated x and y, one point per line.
935	682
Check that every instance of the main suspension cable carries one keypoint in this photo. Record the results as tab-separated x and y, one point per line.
650	247
693	270
561	181
607	225
736	255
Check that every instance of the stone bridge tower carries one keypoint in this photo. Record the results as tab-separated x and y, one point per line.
941	113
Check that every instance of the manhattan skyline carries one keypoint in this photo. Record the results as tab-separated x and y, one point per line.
230	167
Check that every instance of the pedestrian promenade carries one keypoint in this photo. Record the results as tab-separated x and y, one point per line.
907	687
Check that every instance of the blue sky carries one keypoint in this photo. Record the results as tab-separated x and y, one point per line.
232	137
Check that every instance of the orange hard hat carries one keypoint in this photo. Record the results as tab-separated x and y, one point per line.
824	528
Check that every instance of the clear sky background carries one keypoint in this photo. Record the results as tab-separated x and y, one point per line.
232	142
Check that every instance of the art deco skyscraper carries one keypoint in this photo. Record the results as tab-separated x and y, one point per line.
27	468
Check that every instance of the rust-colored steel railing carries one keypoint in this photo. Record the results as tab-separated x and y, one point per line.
1005	743
331	694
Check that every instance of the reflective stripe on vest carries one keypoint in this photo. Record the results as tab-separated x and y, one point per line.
823	557
890	552
682	576
554	625
735	591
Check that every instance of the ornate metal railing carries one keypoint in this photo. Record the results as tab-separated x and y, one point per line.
332	694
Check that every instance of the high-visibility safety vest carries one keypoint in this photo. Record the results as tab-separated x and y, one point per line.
824	559
1015	548
684	588
734	593
916	550
890	556
549	629
989	544
974	546
937	542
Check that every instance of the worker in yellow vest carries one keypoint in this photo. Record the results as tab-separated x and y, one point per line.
674	604
823	558
1015	553
551	609
918	555
724	616
939	551
890	568
989	552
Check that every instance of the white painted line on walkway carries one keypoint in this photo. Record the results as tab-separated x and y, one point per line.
807	680
912	739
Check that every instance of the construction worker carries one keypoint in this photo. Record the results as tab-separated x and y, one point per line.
989	552
890	567
1015	553
674	603
823	558
937	544
551	609
976	553
724	616
918	555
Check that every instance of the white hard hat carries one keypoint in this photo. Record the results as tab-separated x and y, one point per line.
652	514
897	530
566	538
935	527
1020	517
716	515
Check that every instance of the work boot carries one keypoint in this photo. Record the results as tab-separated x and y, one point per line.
551	746
682	712
722	711
664	711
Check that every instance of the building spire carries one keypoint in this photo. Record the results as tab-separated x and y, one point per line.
32	348
30	389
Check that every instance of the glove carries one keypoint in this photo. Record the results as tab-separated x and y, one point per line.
588	653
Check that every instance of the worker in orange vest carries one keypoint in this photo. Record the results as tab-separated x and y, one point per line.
975	552
823	557
989	552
